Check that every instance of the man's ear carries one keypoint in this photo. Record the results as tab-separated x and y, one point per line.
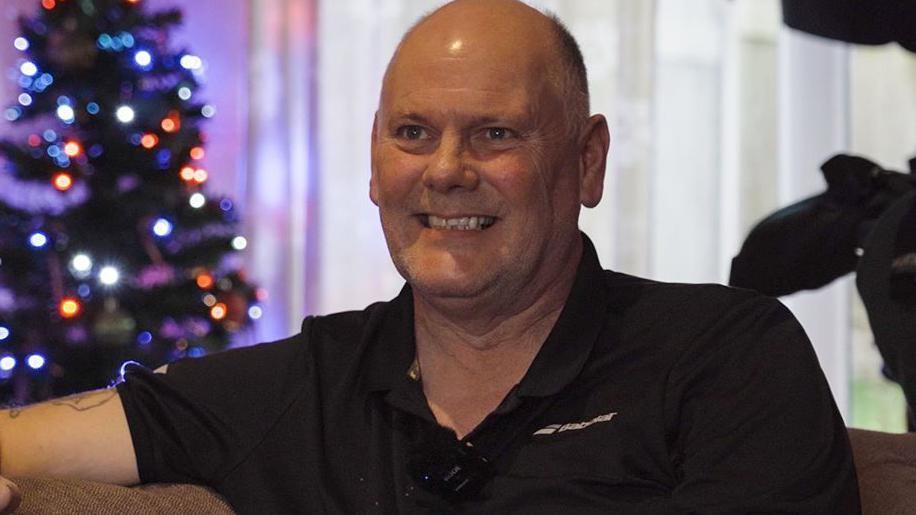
373	177
596	139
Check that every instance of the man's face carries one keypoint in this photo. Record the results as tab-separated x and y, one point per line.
474	170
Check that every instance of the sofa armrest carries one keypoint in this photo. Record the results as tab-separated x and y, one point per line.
886	469
64	496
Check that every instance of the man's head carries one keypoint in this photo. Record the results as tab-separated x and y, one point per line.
482	151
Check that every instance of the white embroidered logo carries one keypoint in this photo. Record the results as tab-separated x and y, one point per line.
573	426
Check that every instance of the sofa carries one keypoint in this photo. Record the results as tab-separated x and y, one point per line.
885	463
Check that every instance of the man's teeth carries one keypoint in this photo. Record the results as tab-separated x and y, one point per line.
466	223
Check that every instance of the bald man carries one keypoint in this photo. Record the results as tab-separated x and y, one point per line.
511	373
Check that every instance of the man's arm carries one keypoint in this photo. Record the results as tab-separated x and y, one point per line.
82	436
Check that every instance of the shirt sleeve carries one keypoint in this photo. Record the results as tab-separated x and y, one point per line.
755	427
196	422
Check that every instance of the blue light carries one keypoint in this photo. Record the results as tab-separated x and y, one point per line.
28	68
104	41
143	58
195	352
4	332
225	205
21	44
49	135
92	108
144	338
162	227
135	138
12	114
35	361
53	151
127	39
95	150
84	291
25	99
25	81
7	363
46	79
38	240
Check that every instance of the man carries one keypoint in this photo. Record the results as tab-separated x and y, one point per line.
512	373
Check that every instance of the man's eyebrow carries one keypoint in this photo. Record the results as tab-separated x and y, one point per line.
473	120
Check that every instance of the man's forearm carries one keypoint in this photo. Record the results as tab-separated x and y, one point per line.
81	436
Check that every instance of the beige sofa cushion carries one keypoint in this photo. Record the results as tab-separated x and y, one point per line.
59	497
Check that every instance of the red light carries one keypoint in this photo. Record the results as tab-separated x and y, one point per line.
62	181
34	140
205	281
149	140
197	153
69	307
48	4
187	174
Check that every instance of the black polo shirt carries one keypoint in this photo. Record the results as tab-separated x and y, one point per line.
646	398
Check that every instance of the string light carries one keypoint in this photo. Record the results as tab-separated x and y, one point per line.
69	307
38	240
25	99
109	275
145	338
197	153
200	176
149	140
255	312
21	44
190	62
172	122
4	332
239	243
143	58
187	174
28	69
34	140
209	300
162	227
204	281
184	93
208	111
92	108
66	113
81	264
7	363
48	4
73	148
219	311
197	200
62	181
125	114
35	361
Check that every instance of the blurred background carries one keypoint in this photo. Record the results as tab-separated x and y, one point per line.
719	115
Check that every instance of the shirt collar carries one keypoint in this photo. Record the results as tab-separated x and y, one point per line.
392	347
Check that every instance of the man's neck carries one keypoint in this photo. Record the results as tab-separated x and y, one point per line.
468	363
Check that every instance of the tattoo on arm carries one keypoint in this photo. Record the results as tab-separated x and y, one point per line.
78	402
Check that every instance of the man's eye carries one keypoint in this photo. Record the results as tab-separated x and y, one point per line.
499	133
412	132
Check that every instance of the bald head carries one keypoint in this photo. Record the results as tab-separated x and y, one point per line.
505	31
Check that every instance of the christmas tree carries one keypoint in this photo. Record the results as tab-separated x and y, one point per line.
110	248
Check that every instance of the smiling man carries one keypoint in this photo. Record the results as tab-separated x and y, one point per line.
512	373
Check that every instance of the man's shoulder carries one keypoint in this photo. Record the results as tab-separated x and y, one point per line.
631	291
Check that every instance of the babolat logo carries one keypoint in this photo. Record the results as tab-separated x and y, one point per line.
573	426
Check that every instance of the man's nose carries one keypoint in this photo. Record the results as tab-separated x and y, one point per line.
448	168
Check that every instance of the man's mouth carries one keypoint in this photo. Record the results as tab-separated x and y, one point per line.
463	223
